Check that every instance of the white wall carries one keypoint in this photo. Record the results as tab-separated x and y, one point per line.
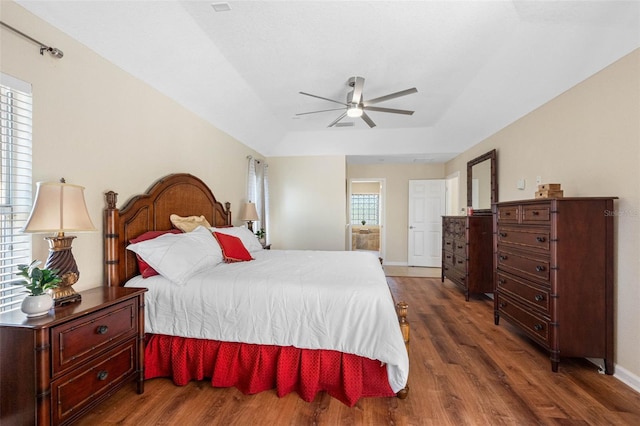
588	140
307	202
99	127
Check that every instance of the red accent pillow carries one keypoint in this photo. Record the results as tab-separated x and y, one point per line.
232	248
145	270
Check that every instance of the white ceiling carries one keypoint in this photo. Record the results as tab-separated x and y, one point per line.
477	65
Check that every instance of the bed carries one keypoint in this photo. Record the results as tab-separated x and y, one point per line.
286	320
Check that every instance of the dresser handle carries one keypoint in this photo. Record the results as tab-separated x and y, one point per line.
502	304
507	213
540	268
102	329
448	243
541	239
102	375
459	246
503	257
538	327
503	234
502	280
535	213
460	261
539	297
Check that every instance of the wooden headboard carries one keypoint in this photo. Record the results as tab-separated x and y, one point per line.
181	194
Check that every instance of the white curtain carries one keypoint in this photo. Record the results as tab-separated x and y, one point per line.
258	192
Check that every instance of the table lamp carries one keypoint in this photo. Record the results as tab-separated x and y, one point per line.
60	207
249	215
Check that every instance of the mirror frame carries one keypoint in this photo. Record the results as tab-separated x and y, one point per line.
491	155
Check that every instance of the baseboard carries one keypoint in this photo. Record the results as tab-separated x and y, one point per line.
627	377
394	263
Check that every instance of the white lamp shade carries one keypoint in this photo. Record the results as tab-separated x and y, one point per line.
59	207
250	212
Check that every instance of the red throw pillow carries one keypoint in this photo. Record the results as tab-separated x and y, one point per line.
145	270
232	248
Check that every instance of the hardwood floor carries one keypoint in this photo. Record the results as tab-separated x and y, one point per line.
464	371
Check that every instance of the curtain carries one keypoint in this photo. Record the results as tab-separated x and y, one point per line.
258	192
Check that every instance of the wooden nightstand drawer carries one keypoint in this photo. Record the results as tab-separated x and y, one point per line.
75	341
79	388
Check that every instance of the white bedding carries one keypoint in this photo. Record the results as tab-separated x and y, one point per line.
306	299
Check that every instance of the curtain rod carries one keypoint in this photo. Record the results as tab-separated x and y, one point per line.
57	53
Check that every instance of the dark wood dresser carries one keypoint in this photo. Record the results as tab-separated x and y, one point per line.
55	367
554	274
467	255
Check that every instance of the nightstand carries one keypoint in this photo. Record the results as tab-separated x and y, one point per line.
55	367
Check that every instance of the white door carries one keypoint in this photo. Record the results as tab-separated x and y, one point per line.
426	208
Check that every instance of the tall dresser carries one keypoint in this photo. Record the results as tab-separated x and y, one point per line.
554	274
467	253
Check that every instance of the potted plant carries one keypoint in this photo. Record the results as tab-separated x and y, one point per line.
261	234
37	281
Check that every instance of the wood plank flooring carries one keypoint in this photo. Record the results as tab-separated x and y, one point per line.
464	371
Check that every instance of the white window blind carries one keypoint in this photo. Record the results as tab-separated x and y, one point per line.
15	186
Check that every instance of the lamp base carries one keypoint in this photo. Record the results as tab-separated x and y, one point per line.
64	295
61	258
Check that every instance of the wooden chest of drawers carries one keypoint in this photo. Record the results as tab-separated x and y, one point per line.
554	274
55	367
467	253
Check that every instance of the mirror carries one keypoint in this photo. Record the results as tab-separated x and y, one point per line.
482	183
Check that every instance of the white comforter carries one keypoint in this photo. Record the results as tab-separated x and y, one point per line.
306	299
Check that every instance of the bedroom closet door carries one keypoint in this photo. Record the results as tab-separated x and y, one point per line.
426	208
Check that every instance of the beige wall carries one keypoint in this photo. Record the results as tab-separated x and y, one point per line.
87	113
307	202
396	212
588	140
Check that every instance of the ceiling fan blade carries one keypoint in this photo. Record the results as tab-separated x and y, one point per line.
358	83
368	120
390	96
320	97
334	122
323	110
392	110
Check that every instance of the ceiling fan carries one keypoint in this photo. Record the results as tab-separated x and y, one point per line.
356	105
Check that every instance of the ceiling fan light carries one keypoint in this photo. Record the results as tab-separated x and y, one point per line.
354	111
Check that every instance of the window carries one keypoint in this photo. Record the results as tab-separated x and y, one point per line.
365	207
15	186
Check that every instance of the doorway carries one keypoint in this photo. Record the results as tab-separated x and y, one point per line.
426	208
365	216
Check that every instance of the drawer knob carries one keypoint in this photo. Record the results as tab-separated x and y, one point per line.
102	375
503	234
541	239
540	268
503	257
539	297
538	327
102	329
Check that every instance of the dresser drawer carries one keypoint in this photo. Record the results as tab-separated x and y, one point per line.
524	264
523	237
536	213
457	276
460	249
533	324
76	341
79	388
448	244
507	214
535	297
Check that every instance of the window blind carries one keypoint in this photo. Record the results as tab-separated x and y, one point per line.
15	186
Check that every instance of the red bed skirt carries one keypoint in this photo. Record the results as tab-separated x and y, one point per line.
256	368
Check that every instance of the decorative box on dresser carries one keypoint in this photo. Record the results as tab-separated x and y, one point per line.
467	253
55	367
554	274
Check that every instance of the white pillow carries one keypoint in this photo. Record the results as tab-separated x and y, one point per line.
248	238
178	256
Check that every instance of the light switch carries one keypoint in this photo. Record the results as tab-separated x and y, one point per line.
521	184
